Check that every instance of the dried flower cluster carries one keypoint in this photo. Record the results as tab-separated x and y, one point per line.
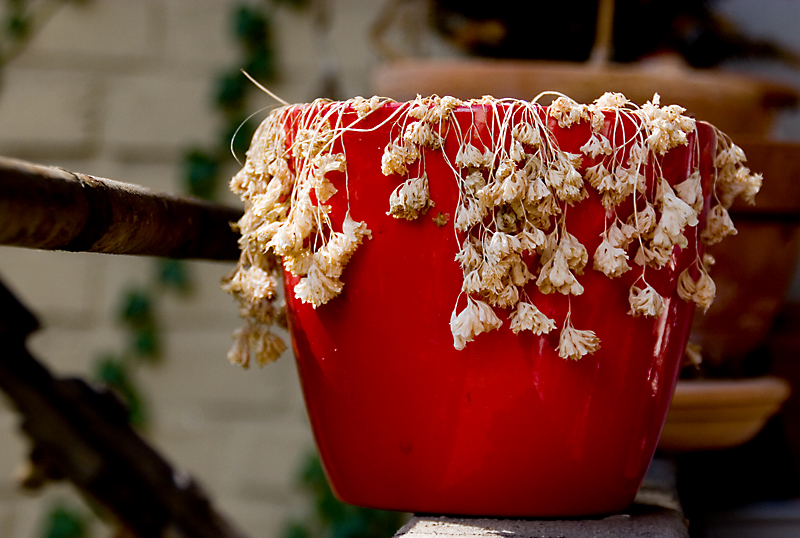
515	188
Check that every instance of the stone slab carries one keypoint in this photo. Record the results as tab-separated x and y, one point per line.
642	521
656	513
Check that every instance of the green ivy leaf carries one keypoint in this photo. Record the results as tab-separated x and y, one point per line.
138	314
232	91
18	26
146	343
251	26
340	520
261	64
296	529
137	308
114	373
201	173
65	522
175	276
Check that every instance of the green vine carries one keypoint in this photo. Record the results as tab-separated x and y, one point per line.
63	521
331	518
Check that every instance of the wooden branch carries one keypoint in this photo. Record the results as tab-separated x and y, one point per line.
81	434
51	208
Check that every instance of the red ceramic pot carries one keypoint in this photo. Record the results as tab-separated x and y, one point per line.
505	427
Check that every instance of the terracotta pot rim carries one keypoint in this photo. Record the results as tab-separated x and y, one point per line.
730	392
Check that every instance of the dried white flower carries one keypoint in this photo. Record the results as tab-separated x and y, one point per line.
517	152
675	216
500	245
470	256
653	255
253	284
555	275
667	125
621	236
597	145
565	180
396	157
410	199
718	226
610	260
575	344
507	298
693	355
687	287
637	155
700	291
574	251
645	302
472	282
691	191
527	134
643	222
514	187
442	108
364	106
537	191
531	239
257	341
518	271
566	111
469	213
317	288
730	155
421	134
527	317
600	178
474	182
737	181
469	156
611	100
477	317
705	292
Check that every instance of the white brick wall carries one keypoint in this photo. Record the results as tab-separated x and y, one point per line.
47	111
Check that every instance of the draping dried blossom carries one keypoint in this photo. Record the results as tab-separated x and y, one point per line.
410	199
718	226
477	317
610	260
645	302
515	189
574	344
527	317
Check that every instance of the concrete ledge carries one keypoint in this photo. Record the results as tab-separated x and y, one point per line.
656	513
641	521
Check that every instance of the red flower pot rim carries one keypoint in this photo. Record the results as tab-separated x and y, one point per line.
515	189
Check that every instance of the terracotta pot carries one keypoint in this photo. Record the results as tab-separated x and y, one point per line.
714	414
504	427
736	104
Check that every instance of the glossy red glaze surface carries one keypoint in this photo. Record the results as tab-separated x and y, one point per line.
505	427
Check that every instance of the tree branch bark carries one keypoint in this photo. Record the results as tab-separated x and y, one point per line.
54	209
81	434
